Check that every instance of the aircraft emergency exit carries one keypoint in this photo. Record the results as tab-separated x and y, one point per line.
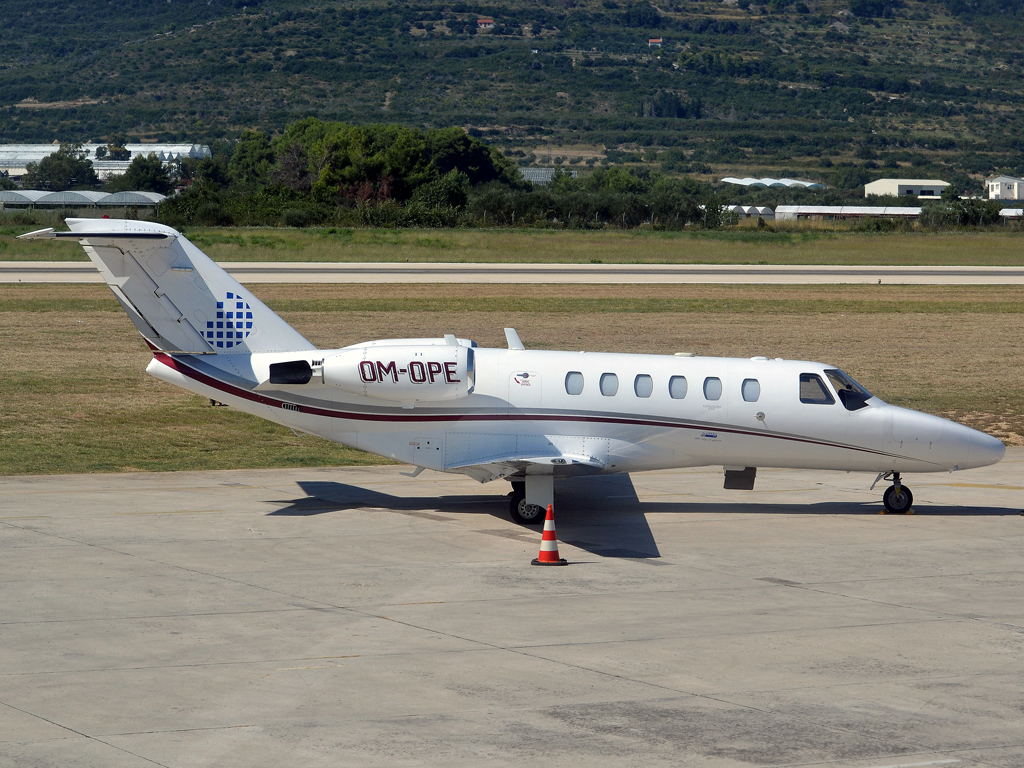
529	417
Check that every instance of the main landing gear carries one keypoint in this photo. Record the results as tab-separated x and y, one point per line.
897	498
523	512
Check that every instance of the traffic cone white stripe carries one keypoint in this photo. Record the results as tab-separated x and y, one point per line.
549	542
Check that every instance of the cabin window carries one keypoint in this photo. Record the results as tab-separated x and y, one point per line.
573	383
677	387
751	390
643	385
851	394
813	390
609	384
712	388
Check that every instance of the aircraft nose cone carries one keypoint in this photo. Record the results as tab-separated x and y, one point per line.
984	450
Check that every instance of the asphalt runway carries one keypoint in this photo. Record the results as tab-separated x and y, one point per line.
356	617
266	272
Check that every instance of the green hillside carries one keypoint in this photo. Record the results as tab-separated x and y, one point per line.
816	88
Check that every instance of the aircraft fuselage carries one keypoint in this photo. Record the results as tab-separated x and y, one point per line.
632	412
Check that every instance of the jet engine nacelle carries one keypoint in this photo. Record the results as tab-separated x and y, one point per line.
403	374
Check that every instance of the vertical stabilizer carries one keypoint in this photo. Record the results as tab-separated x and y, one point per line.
177	297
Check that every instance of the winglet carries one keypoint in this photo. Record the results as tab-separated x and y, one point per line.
514	342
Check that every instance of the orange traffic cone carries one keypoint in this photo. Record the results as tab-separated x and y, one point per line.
549	543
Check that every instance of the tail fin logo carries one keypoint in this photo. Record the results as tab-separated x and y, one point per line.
233	323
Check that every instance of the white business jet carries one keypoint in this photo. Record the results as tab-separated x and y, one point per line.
527	416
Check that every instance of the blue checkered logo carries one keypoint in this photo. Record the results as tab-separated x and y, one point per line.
233	323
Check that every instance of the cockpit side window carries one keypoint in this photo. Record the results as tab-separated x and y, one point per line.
814	391
851	394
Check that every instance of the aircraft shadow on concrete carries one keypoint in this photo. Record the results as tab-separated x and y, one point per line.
601	515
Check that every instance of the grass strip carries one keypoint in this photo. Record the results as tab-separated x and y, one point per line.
801	244
76	397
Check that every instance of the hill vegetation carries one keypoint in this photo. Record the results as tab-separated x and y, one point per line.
837	90
329	173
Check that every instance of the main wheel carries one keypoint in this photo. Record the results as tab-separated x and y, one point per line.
523	513
897	502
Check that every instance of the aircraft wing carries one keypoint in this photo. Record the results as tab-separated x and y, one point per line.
495	468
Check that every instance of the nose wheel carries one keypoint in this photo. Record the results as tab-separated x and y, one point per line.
897	498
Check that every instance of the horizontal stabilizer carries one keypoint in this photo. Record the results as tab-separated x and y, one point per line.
44	234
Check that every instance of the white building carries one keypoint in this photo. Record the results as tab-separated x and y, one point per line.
899	187
15	157
839	212
1005	188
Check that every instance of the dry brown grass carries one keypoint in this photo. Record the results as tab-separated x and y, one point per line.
76	398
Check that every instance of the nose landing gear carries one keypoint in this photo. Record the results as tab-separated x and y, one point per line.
897	498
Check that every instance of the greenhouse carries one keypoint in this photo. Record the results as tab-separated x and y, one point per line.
749	182
30	198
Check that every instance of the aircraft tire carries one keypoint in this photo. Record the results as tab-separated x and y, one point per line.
523	513
897	503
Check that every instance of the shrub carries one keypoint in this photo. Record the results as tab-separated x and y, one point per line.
296	217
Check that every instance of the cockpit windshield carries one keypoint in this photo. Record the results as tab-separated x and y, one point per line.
851	394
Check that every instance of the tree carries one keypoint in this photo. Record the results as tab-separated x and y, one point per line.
116	147
144	174
292	168
198	205
449	191
252	159
674	202
850	177
954	212
642	15
615	179
212	171
66	168
5	181
357	163
451	149
872	8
